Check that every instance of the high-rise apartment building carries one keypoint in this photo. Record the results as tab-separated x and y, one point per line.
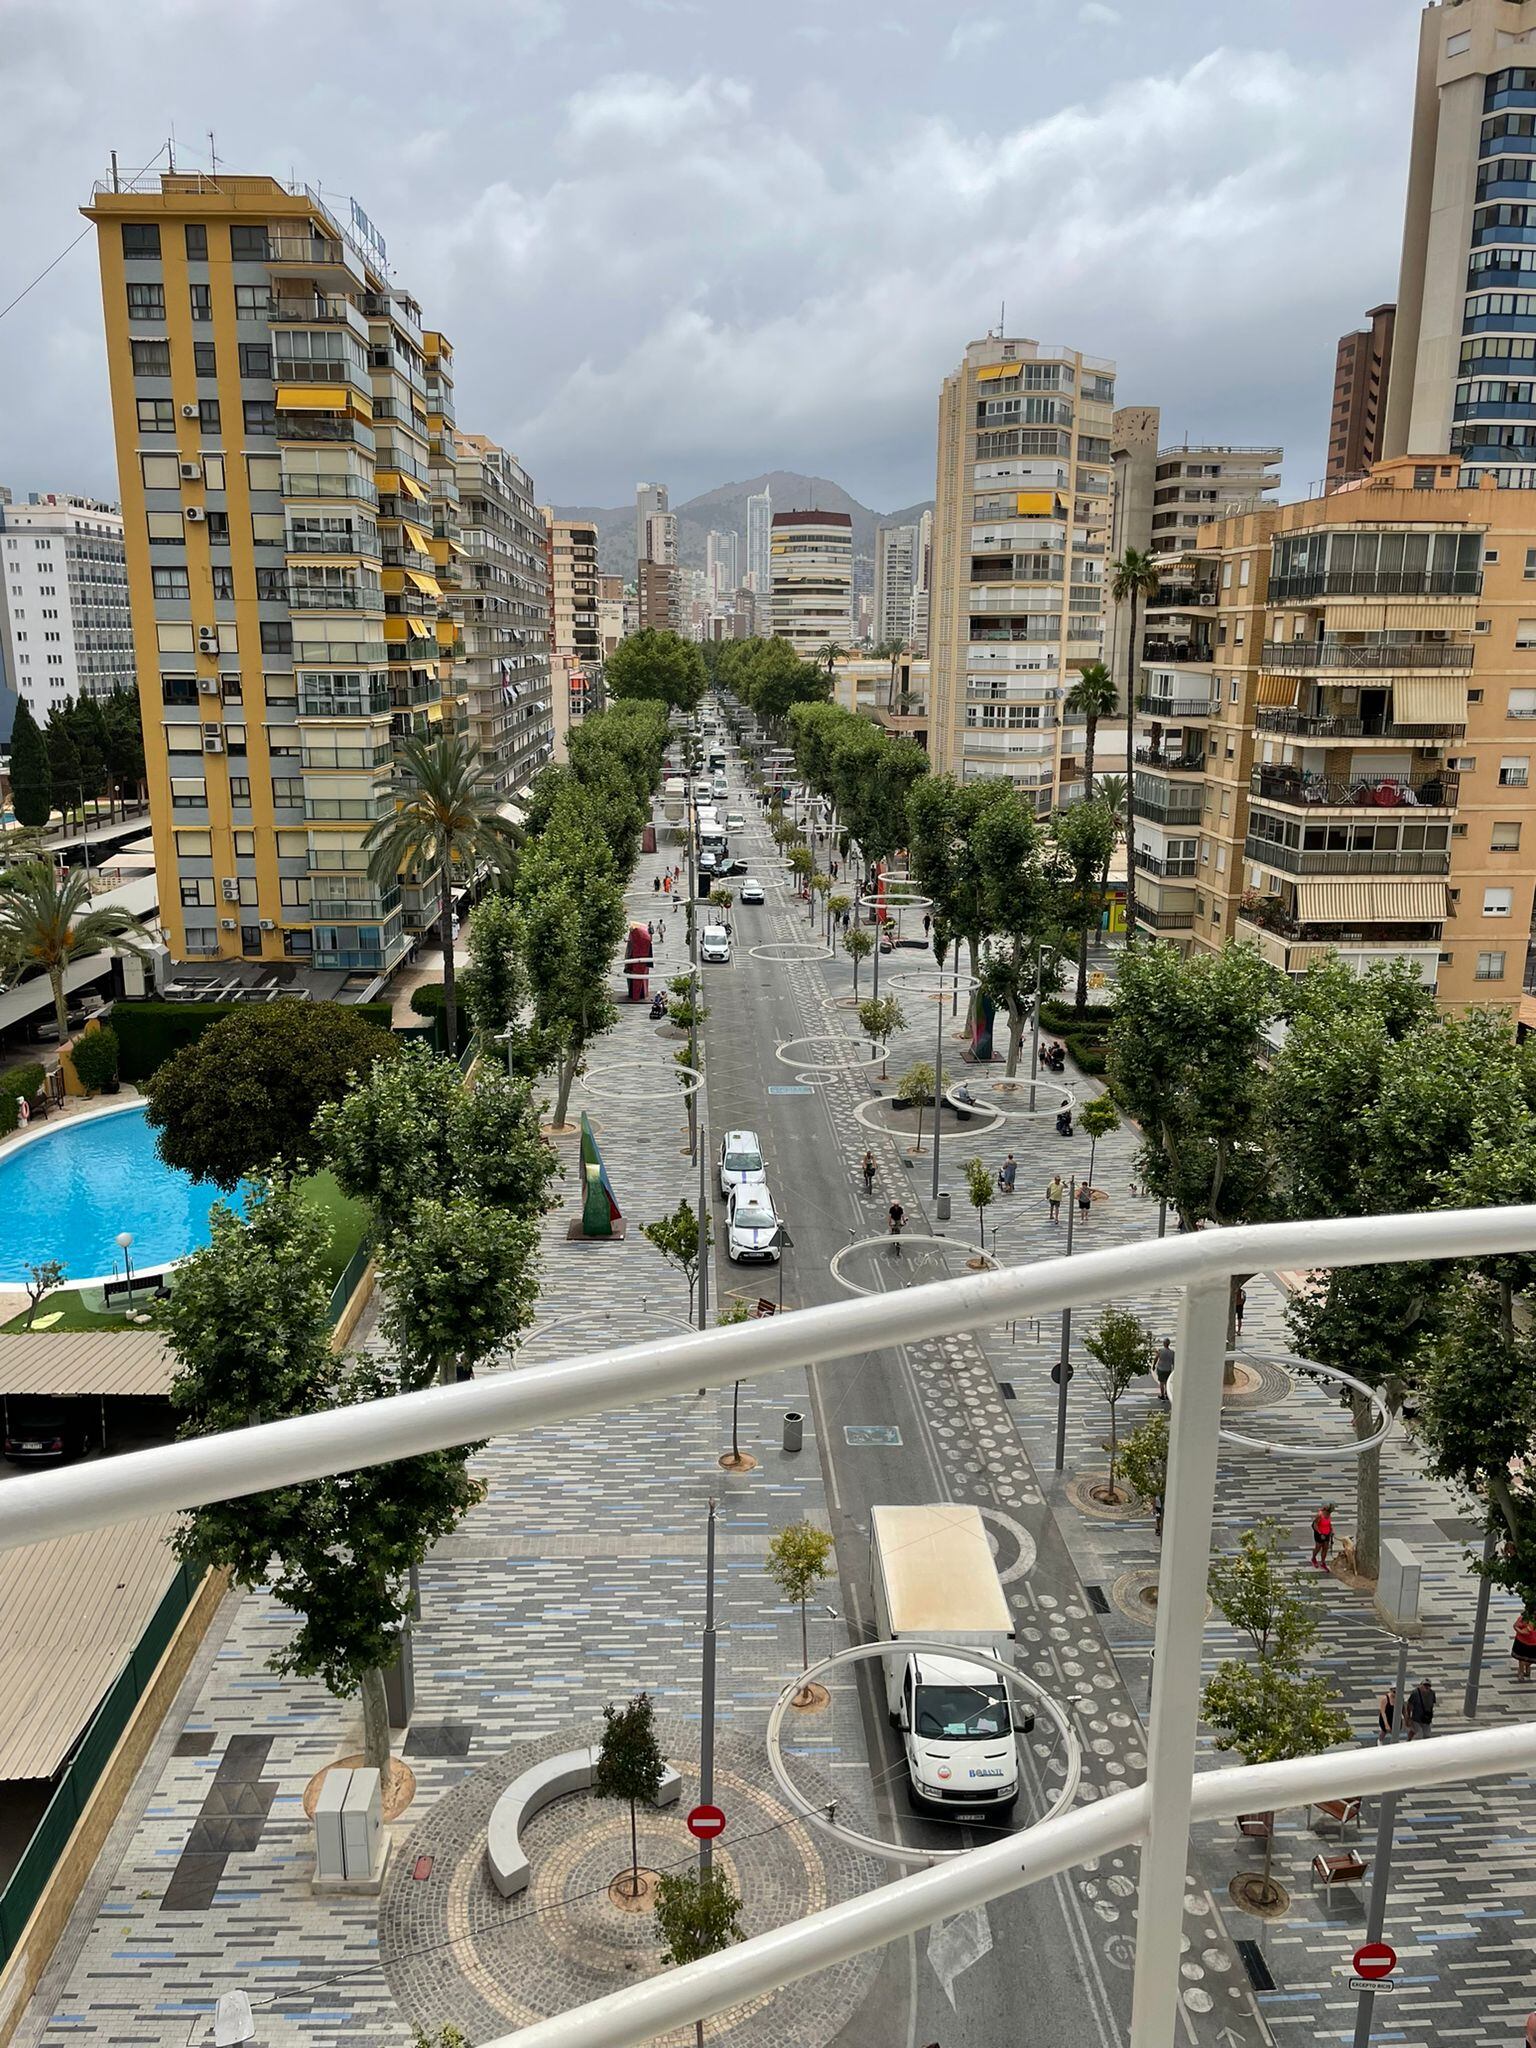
65	628
661	597
576	655
1020	528
759	572
922	587
722	565
895	561
502	605
1360	375
291	511
649	499
812	571
1462	361
1355	774
661	539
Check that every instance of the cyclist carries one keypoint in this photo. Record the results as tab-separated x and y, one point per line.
897	1216
868	1171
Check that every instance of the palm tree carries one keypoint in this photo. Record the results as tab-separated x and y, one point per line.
1134	576
1091	698
445	823
46	921
1112	794
828	652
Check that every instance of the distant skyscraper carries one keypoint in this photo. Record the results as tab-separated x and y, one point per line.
1360	374
759	575
660	541
649	498
812	555
922	584
722	564
895	552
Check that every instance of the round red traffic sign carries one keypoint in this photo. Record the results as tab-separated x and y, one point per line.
706	1822
1375	1959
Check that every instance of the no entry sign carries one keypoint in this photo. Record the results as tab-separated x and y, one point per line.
1376	1959
708	1821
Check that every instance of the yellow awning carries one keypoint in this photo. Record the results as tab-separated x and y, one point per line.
416	537
1278	690
420	630
1370	902
1429	700
427	585
1383	617
313	398
411	488
447	631
989	372
1036	503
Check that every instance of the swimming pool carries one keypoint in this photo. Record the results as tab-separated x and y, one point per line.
68	1189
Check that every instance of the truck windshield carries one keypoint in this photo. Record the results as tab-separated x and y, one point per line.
962	1713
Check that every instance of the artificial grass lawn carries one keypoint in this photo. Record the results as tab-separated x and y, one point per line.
348	1222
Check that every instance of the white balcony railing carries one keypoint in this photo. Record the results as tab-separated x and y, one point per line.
1155	1816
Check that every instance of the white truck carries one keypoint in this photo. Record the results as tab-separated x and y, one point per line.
674	799
934	1578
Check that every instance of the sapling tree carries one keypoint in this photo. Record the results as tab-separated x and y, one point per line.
630	1766
1144	1461
858	944
734	1312
697	1914
41	1280
797	1564
880	1018
1121	1347
980	1189
1098	1118
917	1085
676	1237
459	1280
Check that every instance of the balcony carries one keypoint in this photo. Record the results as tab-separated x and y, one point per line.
1177	652
338	484
1428	789
1175	709
327	704
339	599
333	544
319	426
1149	756
345	760
366	907
1172	867
328	809
1172	807
1159	920
1327	726
1371	656
1354	861
1307	584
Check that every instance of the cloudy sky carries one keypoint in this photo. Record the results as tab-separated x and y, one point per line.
696	239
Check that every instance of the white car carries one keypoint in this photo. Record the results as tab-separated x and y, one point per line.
751	890
741	1161
735	822
751	1226
715	945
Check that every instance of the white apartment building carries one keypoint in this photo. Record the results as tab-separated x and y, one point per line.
661	539
649	499
759	572
922	587
64	615
812	556
722	565
895	559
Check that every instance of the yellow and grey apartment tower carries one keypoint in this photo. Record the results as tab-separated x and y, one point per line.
298	571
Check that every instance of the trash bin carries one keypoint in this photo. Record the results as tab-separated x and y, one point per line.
794	1430
943	1205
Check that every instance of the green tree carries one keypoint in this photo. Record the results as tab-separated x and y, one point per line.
1085	837
686	1007
630	1766
676	1237
572	905
916	1085
41	1280
1111	793
94	1056
1133	579
494	986
47	922
1098	1118
248	1324
1144	1459
1121	1346
1092	697
447	827
980	1189
125	744
858	944
880	1018
797	1563
64	765
460	1279
88	730
657	665
31	776
697	1914
444	2037
247	1091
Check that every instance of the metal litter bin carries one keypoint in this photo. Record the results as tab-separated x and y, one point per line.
794	1430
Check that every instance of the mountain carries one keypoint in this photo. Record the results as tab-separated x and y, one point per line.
725	509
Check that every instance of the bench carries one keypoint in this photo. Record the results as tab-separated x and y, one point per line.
529	1793
1341	1869
1345	1811
1256	1827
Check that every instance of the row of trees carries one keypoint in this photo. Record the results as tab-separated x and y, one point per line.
91	748
769	677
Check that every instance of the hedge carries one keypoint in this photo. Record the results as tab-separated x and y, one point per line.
430	1001
16	1081
148	1033
1095	1022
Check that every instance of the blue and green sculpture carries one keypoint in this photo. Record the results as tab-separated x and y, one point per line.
600	1213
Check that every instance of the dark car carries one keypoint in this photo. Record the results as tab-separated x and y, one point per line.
41	1433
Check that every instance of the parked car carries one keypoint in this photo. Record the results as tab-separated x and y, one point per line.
741	1160
751	1225
44	1432
715	945
751	891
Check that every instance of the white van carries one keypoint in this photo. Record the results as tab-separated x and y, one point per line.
720	786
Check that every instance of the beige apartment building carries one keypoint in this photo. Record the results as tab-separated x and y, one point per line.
576	646
1020	539
1342	759
811	565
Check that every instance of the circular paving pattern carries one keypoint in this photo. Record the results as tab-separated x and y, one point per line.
1134	1594
1259	1384
453	1949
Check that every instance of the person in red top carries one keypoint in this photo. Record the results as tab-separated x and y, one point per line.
1322	1536
1523	1648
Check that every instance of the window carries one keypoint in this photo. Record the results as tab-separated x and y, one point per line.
293	890
255	359
260	416
245	846
1505	837
161	472
151	358
1525	632
239	789
1498	902
1242	573
1522	703
166	527
146	301
1514	771
251	301
213	472
208	415
140	242
1233	687
223	580
1530	565
1226	575
156	416
272	586
1490	554
178	689
248	245
276	636
205	359
218	528
170	582
198	893
202	302
202	938
1424	478
197	242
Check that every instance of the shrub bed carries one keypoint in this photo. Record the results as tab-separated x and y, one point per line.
17	1081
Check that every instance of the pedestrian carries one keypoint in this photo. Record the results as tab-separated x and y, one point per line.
666	885
661	930
1386	1714
655	885
1084	1200
1157	1515
1008	1173
1162	1365
1523	1648
1419	1712
1322	1536
1239	1303
1054	1190
868	1170
650	929
927	924
847	919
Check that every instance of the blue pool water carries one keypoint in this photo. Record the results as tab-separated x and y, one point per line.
67	1194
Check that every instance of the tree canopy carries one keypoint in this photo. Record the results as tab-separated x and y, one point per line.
658	665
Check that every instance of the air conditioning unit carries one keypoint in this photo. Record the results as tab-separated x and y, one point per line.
209	685
231	889
213	742
268	924
229	924
191	472
207	637
194	515
189	412
1207	597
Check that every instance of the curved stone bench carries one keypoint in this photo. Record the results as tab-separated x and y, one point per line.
530	1793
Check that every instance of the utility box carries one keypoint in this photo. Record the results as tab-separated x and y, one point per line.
1397	1585
330	1860
362	1826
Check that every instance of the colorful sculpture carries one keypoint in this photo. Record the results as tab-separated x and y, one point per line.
637	965
600	1213
983	1010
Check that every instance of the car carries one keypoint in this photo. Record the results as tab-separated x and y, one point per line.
735	822
730	866
751	890
44	1432
703	792
715	945
741	1161
751	1226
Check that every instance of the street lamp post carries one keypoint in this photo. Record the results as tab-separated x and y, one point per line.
125	1246
1063	1365
938	1073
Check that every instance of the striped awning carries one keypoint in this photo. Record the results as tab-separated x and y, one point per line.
1429	700
1382	617
1274	689
416	537
427	585
1370	902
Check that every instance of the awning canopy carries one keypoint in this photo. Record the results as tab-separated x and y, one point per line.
427	585
1370	902
1035	503
1274	689
411	488
100	1362
1382	617
1429	700
416	537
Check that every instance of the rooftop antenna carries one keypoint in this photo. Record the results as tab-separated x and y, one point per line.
1002	318
213	155
170	148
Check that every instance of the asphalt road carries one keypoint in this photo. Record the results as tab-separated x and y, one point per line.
1043	1979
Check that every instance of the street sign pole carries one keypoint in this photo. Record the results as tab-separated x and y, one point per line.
707	1737
1376	1911
1063	1367
938	1075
